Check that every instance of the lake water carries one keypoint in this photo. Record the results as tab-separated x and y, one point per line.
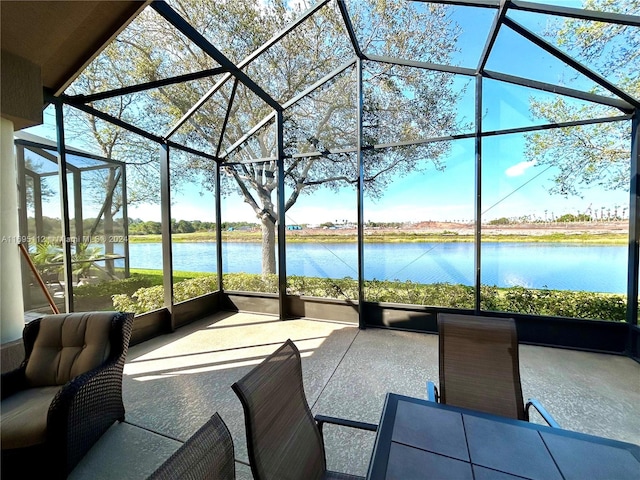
533	265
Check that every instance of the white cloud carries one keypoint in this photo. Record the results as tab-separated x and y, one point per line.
519	168
145	212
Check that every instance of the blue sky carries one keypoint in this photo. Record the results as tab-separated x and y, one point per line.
513	187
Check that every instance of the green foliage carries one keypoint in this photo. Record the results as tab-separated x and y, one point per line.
143	300
490	298
345	288
401	102
194	287
384	224
569	217
108	289
587	305
48	259
34	163
590	154
50	226
155	276
138	227
500	221
83	258
563	304
411	293
126	303
247	282
183	226
152	298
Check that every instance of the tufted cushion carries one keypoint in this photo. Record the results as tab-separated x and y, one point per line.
24	417
68	345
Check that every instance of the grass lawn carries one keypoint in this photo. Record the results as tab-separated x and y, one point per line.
155	276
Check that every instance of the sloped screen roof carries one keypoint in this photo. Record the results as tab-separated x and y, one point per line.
227	71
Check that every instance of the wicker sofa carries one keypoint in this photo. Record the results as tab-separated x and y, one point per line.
65	394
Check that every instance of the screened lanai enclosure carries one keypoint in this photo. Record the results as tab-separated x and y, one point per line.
371	162
96	244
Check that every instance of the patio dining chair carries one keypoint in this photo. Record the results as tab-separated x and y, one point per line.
206	455
284	440
480	368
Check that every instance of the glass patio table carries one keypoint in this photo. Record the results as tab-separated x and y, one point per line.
419	439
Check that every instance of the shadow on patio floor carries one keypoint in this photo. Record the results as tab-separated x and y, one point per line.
175	382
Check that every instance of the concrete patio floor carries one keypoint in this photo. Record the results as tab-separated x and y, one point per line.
175	382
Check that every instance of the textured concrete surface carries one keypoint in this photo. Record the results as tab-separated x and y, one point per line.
125	451
175	382
590	393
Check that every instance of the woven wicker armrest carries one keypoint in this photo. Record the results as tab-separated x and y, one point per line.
88	404
84	409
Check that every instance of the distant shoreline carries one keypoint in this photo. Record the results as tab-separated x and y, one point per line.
591	233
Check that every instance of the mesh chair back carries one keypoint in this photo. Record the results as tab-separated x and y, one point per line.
479	365
283	439
207	454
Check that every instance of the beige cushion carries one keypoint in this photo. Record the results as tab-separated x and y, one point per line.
24	417
68	345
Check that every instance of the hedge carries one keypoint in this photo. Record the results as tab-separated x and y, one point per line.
561	303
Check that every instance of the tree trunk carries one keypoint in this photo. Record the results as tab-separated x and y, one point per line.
268	245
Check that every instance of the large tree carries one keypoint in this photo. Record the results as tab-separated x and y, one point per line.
103	188
595	154
400	103
110	70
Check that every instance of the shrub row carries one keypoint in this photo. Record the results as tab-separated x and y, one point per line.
108	289
587	305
